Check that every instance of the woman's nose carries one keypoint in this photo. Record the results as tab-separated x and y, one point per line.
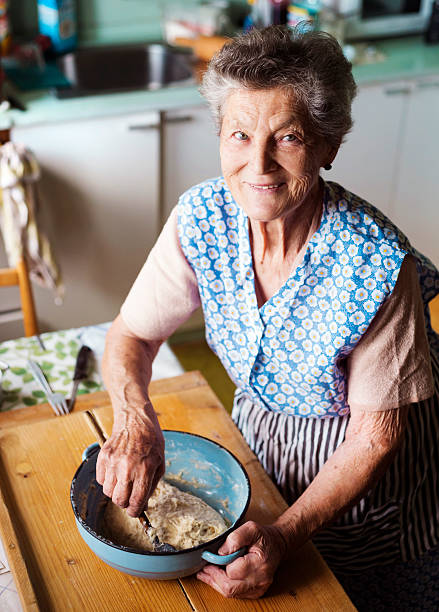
261	159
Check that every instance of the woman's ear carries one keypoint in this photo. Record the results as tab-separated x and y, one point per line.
332	153
329	157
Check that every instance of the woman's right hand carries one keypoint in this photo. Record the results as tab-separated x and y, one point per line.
132	460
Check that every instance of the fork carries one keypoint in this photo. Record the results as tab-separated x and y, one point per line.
56	400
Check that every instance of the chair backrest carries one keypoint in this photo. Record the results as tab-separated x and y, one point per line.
20	276
434	313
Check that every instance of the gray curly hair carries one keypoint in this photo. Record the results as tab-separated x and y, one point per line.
309	64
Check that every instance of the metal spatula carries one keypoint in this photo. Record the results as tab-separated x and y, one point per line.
162	547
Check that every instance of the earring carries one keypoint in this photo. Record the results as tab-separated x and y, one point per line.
327	166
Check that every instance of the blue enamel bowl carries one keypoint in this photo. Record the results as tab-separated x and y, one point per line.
193	463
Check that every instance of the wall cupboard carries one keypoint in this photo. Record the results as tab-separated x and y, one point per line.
391	156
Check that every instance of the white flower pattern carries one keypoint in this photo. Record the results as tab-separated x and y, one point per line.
284	355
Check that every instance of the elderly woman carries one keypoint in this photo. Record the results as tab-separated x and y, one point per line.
316	305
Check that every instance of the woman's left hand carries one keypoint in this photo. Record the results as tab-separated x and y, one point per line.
247	577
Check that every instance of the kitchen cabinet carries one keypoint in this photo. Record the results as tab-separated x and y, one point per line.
415	207
99	194
107	187
390	157
190	152
190	155
366	162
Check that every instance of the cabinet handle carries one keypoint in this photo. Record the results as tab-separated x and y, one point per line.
182	119
143	127
398	91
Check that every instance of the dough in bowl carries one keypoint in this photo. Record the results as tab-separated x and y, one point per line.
177	518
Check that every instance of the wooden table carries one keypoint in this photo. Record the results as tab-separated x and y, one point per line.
56	571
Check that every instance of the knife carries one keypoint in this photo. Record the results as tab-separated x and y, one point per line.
81	372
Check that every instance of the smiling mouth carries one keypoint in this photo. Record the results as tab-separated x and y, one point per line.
265	187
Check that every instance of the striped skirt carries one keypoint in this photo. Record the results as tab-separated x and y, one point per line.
396	522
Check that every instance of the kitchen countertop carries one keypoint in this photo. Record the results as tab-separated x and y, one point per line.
44	107
405	58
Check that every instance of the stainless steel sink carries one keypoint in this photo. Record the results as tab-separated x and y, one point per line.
94	70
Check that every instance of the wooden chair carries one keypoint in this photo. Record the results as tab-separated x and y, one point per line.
434	313
20	276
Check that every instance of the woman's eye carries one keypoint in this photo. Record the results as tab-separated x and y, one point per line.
289	138
240	136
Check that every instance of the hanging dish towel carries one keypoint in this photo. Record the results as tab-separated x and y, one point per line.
19	175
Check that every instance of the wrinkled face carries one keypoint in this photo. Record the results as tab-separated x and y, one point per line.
270	164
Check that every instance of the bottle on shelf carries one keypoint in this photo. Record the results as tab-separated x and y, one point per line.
267	12
279	12
57	20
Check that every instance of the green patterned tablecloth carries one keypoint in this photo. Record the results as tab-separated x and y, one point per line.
57	362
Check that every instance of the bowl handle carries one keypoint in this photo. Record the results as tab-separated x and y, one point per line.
89	450
222	559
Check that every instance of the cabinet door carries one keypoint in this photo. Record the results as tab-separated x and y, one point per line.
190	155
99	206
190	152
416	204
366	162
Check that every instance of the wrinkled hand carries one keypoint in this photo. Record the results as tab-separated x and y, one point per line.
131	462
247	577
